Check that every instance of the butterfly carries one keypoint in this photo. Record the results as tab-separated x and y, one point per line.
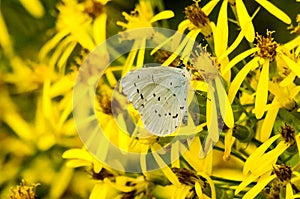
159	94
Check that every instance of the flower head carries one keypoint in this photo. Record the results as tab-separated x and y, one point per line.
24	191
267	46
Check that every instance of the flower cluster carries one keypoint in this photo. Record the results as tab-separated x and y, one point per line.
244	143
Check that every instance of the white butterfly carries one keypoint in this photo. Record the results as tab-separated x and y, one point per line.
160	96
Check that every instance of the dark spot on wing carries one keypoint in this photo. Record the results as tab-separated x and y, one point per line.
171	83
159	115
142	105
174	94
169	113
158	98
154	95
142	97
138	76
137	90
175	116
181	107
155	111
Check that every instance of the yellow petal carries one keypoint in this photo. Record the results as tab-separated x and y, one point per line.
221	33
245	182
275	11
66	55
239	58
252	159
198	190
266	161
164	167
77	163
244	18
288	80
254	191
77	153
292	44
238	39
129	62
50	44
211	120
288	191
189	154
262	91
141	53
183	25
99	28
34	7
166	14
99	190
5	40
297	138
239	78
210	182
291	64
224	104
175	154
209	6
229	140
268	122
58	187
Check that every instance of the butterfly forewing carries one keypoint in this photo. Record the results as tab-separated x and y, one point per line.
159	94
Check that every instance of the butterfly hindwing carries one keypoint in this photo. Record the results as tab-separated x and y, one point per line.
159	94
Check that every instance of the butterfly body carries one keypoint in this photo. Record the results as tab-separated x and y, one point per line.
159	94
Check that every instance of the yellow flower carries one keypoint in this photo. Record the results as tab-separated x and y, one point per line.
143	16
242	16
266	160
218	104
88	30
266	52
192	184
24	191
283	98
272	182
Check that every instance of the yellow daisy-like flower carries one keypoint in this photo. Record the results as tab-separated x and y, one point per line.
283	98
266	52
88	30
242	16
274	182
23	191
143	16
266	160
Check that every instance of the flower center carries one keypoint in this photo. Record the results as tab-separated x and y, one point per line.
198	18
267	46
283	173
93	8
288	134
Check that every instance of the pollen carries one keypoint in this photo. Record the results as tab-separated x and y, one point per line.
198	18
283	173
267	46
23	191
288	134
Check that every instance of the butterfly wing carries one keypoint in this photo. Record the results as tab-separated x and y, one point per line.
159	94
